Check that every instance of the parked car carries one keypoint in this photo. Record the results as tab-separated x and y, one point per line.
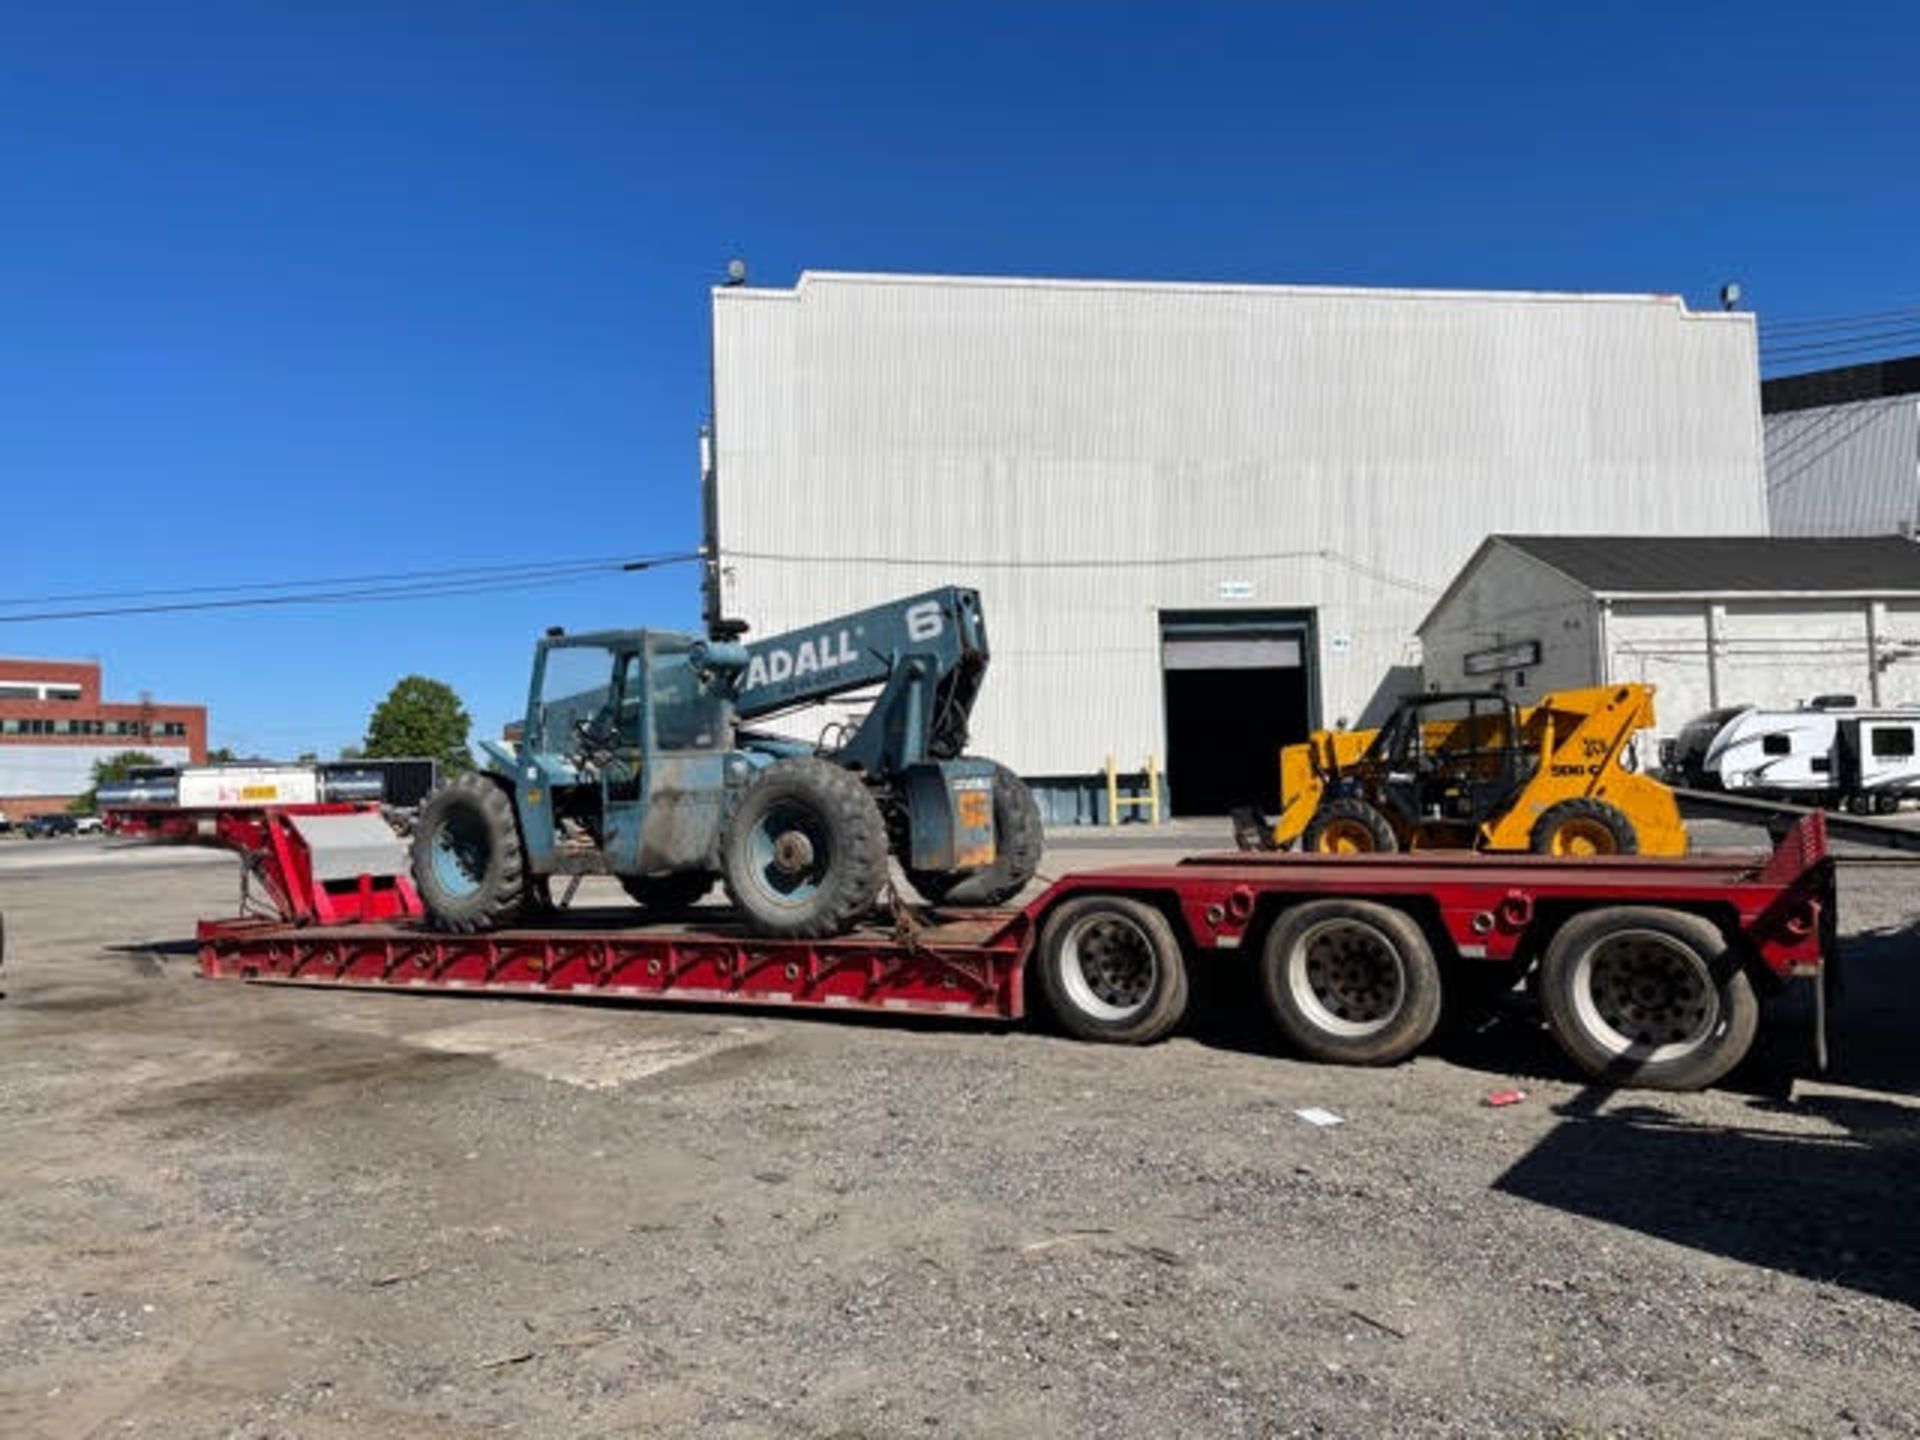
88	825
43	827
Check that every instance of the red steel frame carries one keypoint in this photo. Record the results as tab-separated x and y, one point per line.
278	860
962	969
1488	904
1492	907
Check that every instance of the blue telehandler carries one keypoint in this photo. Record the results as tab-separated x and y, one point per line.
635	760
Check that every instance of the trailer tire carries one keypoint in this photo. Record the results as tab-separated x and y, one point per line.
1351	982
1656	998
468	863
1019	839
1112	970
804	852
1584	827
1348	825
681	890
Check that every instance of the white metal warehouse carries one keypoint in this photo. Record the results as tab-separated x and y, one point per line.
1709	621
1843	449
1203	517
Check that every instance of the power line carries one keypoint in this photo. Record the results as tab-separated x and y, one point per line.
1145	562
991	563
1904	335
1781	367
1857	342
610	563
418	590
1808	362
1836	322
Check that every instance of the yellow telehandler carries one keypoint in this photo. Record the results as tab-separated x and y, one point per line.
1468	770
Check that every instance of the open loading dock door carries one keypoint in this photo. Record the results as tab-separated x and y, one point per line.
1238	685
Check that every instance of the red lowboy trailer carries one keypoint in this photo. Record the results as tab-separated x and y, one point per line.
1650	971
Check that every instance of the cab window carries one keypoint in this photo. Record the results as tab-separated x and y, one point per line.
687	715
628	713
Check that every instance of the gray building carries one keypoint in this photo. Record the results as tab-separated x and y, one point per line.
1707	620
1204	517
1843	450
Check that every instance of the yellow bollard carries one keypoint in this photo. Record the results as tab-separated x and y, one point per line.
1151	800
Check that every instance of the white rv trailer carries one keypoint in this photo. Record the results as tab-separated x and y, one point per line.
1827	752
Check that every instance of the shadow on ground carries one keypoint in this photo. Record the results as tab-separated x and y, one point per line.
1873	1029
1836	1209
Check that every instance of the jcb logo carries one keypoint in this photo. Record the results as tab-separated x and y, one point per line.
924	621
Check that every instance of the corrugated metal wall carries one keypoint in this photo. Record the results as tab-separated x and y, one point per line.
1089	454
1850	469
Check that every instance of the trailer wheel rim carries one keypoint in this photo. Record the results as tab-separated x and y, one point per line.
1581	836
1646	994
1109	966
1345	837
1347	978
460	853
791	854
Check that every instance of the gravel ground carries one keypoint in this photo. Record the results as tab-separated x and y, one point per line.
238	1211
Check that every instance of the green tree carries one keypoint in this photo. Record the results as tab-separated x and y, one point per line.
420	717
106	772
220	755
352	752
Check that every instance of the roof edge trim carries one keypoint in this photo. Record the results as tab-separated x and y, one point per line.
810	278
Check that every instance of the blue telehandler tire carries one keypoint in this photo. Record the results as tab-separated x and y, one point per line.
804	853
468	863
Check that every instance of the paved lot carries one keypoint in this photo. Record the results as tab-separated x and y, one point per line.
265	1212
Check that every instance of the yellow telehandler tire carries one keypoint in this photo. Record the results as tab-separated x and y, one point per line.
1583	827
1348	826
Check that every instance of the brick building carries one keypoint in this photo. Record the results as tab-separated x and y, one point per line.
54	726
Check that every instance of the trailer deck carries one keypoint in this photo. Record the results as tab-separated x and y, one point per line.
965	966
1651	966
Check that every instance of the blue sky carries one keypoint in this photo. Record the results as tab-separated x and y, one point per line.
302	290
